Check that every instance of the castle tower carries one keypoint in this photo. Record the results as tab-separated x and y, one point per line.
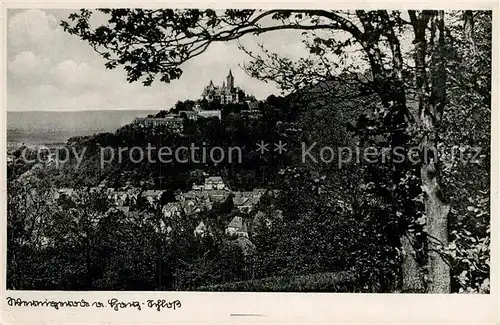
230	80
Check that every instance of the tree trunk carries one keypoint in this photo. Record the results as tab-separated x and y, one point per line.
431	92
437	230
413	280
391	89
436	207
468	18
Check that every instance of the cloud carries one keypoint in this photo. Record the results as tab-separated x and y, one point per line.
49	69
72	75
33	30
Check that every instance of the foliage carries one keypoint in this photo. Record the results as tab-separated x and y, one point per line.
319	282
467	155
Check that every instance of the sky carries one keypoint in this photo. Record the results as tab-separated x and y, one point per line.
50	70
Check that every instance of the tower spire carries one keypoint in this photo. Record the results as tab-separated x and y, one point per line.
230	80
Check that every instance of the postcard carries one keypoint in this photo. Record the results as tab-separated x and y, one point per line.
260	163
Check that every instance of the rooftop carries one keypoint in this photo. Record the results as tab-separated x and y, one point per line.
238	224
214	179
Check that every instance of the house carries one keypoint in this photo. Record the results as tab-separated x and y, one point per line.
152	195
214	183
237	227
253	114
124	209
192	206
211	113
191	195
174	124
64	192
171	209
253	106
246	201
163	228
243	201
189	206
211	183
197	187
119	198
191	115
217	195
258	192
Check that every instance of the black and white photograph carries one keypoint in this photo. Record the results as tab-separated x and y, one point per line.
248	150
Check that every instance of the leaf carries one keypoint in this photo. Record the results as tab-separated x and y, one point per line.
421	221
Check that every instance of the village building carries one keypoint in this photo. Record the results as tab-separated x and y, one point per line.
201	230
64	191
182	207
253	111
197	113
171	209
237	227
174	124
246	201
211	183
215	183
218	195
191	207
152	196
163	228
124	209
190	115
211	113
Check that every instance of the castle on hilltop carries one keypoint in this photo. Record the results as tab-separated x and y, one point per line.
226	94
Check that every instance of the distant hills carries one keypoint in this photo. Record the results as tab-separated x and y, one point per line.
38	127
